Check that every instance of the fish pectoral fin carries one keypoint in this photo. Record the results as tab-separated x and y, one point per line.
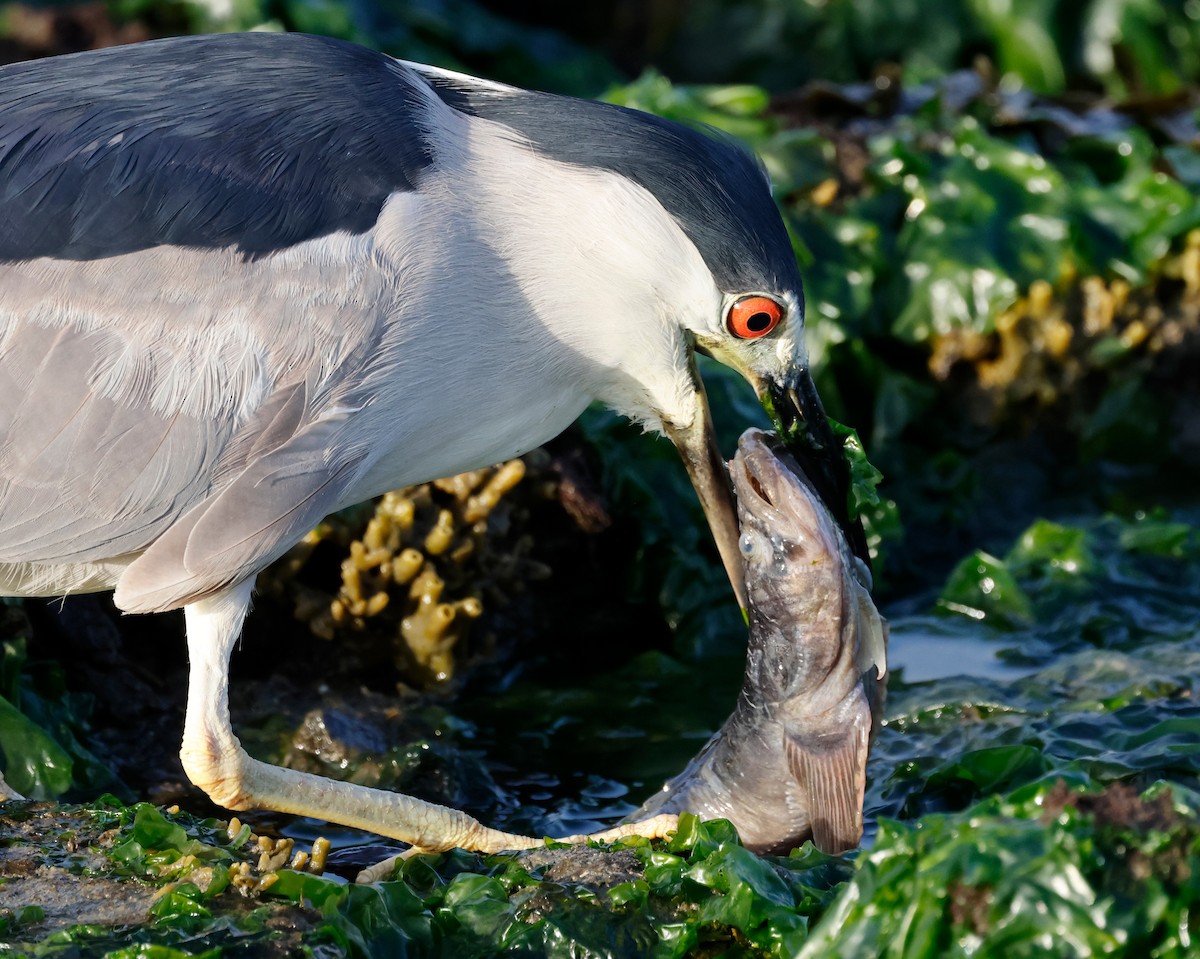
873	632
832	774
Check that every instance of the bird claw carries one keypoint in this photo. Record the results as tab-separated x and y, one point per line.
380	871
383	869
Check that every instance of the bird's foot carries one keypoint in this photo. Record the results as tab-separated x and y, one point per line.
657	827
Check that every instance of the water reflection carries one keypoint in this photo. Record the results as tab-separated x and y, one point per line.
925	648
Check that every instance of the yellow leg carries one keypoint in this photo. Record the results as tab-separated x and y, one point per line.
657	827
216	762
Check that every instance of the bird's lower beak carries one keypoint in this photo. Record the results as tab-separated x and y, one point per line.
697	444
800	418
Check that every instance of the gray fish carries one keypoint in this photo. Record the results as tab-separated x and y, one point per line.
790	763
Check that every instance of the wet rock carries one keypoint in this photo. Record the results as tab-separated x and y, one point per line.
597	869
43	850
341	735
371	740
56	877
66	899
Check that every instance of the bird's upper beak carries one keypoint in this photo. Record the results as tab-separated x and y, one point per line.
697	444
796	408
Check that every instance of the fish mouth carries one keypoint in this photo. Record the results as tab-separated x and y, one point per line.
771	487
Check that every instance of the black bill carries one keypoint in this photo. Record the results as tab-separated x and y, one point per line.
801	422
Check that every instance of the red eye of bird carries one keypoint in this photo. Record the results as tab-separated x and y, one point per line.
754	316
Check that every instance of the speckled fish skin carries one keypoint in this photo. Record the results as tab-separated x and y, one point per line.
790	763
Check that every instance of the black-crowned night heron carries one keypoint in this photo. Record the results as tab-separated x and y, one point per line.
248	280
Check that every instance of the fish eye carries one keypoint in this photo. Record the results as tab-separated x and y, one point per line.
753	316
750	545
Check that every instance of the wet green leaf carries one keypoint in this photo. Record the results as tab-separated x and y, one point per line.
731	866
480	904
992	769
1015	874
181	907
34	764
634	893
701	838
152	829
738	110
305	889
152	951
864	477
982	587
1157	537
1024	34
41	722
1052	551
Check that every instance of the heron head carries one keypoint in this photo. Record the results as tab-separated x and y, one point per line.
641	242
760	334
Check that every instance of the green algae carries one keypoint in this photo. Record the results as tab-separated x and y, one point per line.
1047	871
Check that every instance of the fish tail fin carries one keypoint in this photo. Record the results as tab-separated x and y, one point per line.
832	772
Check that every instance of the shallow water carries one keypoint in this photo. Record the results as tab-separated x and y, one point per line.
925	648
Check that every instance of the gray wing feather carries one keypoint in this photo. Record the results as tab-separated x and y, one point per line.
82	476
274	424
129	421
270	505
